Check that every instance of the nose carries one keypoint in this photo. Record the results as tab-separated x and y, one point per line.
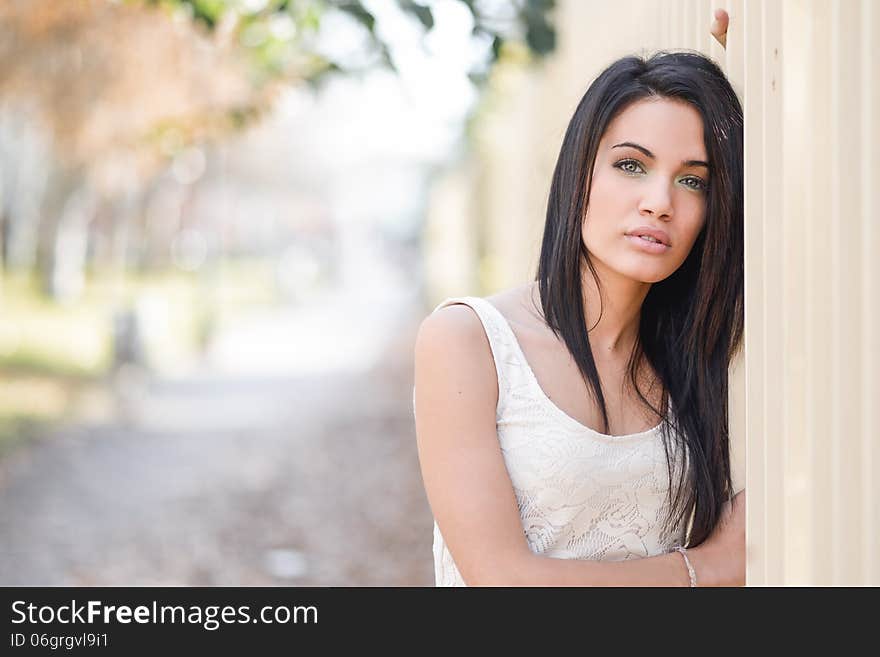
657	200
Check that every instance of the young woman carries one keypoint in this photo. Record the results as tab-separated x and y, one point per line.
573	431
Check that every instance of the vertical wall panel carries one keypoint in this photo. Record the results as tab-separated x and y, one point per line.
870	349
797	131
829	319
846	295
819	220
685	23
754	290
702	17
775	302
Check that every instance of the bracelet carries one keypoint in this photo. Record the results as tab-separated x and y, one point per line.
687	562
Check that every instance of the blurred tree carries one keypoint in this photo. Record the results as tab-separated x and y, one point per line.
93	117
97	97
279	36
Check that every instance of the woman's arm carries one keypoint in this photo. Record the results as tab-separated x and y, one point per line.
721	558
470	491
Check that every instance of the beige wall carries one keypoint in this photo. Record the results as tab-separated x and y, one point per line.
802	397
822	517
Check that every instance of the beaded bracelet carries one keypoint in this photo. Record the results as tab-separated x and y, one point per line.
687	562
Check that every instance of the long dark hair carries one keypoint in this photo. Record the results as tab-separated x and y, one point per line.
691	323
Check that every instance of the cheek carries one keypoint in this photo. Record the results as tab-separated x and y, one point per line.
696	220
611	190
690	232
611	200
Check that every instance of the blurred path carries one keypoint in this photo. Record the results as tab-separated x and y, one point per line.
231	478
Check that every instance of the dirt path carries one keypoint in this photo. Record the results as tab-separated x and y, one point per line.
228	481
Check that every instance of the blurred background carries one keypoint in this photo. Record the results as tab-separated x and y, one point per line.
212	238
221	222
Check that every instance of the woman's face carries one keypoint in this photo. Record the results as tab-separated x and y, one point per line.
651	172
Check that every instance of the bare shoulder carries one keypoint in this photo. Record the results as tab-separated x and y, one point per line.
457	328
457	323
453	336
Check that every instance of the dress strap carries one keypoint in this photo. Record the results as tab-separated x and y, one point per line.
493	324
502	342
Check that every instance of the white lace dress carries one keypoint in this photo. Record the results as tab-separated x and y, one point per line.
581	494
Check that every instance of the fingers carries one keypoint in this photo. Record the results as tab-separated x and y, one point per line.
719	26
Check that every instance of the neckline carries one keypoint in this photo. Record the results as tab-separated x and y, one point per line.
549	403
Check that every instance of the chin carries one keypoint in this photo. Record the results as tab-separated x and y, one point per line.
643	269
646	274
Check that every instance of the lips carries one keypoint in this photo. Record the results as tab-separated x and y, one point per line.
659	235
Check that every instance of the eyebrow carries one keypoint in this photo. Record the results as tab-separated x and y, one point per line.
687	163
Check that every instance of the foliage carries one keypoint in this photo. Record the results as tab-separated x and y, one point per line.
279	35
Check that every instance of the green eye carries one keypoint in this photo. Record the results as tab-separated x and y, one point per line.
695	183
634	167
629	166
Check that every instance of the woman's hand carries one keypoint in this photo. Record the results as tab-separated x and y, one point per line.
719	27
721	559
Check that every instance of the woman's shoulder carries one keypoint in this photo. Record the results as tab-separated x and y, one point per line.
471	323
453	355
465	318
452	320
451	332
